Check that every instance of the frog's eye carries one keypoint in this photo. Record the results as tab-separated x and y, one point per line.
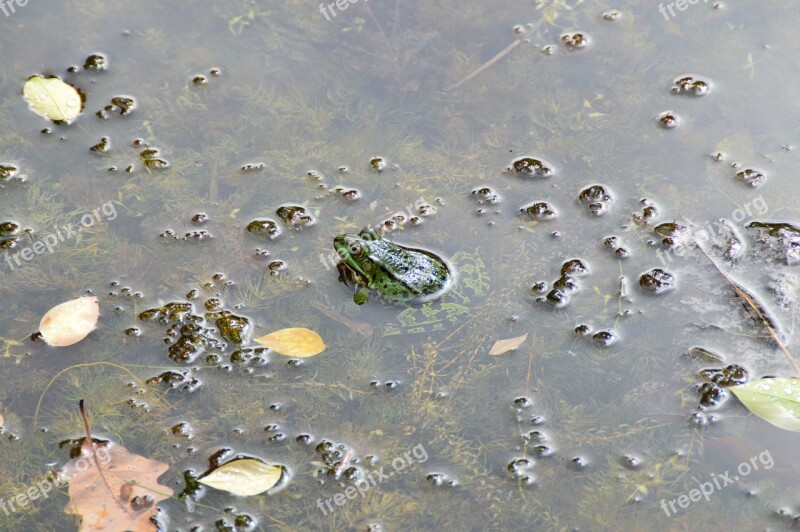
356	250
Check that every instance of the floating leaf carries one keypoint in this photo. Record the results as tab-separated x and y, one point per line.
70	322
245	476
294	342
504	346
123	496
774	400
53	98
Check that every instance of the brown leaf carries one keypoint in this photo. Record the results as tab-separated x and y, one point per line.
294	342
123	497
504	346
70	322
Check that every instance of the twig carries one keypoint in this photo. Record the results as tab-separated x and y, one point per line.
94	454
505	51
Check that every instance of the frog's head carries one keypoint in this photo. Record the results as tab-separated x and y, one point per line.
354	251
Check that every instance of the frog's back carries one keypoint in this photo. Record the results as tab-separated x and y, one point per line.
411	272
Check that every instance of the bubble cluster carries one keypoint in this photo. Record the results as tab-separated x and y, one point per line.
9	232
657	281
252	167
295	216
96	62
522	469
575	41
179	380
351	194
668	119
103	146
440	480
7	171
540	210
690	86
596	198
486	194
730	375
264	228
123	105
649	212
614	244
603	338
188	334
191	236
378	163
752	177
531	167
152	160
563	288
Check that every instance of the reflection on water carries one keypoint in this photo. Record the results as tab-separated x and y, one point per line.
524	145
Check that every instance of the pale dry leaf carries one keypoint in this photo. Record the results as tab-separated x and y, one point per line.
53	98
245	476
504	346
70	322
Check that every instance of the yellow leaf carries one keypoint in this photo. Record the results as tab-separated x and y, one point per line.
70	322
504	346
294	342
245	476
53	98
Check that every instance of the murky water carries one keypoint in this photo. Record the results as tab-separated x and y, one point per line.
559	150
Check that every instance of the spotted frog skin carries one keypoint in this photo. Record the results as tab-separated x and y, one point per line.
396	271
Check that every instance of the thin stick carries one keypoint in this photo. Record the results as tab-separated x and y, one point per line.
90	440
505	51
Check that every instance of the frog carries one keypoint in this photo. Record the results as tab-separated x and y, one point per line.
399	273
437	311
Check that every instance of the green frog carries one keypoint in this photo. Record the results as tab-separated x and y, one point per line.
398	272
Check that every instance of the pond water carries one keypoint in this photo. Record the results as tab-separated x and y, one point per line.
603	138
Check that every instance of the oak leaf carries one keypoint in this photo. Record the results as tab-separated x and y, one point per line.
114	489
